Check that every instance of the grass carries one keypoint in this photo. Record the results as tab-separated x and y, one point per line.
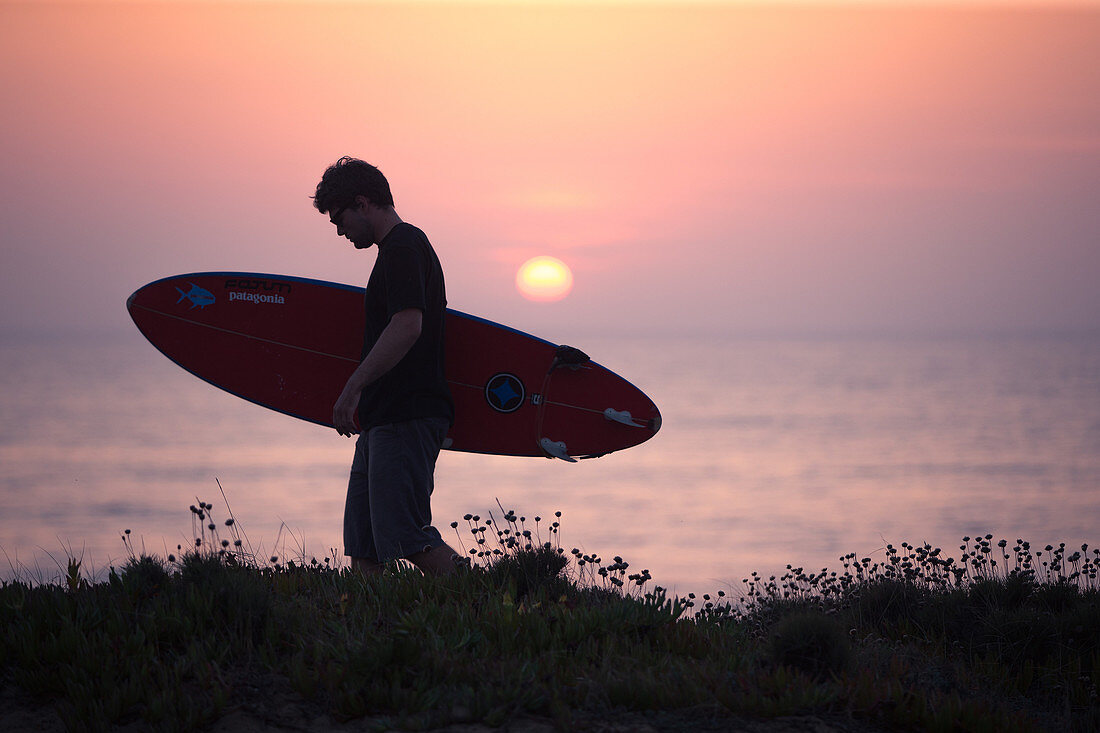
997	640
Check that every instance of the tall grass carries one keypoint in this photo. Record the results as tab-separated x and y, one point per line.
995	640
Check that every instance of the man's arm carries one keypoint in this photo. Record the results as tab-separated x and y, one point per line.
397	338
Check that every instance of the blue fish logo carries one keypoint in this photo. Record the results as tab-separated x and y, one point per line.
197	296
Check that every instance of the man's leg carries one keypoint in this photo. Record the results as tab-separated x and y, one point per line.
366	566
402	464
358	536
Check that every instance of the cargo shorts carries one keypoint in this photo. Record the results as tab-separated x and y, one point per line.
388	513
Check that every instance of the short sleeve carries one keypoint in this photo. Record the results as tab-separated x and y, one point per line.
406	275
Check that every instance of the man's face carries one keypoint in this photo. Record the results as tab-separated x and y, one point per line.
352	221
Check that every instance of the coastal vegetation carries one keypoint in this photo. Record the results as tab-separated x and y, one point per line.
1000	637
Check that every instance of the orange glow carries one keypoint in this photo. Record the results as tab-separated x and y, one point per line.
762	167
544	279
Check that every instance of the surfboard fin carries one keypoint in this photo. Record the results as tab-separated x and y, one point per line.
556	449
623	416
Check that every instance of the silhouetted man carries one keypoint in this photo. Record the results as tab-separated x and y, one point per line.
398	391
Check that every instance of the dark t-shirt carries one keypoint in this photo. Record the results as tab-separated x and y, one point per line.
406	274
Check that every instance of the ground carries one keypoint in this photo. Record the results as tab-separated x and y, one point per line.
290	714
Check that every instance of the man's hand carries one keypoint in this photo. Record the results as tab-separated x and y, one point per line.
343	412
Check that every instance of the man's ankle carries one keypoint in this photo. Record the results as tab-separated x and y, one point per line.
366	566
440	560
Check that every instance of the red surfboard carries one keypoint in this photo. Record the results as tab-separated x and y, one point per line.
290	344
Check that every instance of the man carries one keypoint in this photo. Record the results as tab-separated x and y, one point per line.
398	391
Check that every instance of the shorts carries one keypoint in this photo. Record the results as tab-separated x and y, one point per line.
388	510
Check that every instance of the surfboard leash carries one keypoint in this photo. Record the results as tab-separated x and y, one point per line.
567	357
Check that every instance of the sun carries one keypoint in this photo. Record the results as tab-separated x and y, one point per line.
544	279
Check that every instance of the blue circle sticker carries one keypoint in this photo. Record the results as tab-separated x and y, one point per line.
504	392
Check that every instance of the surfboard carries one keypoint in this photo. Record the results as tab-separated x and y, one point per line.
290	344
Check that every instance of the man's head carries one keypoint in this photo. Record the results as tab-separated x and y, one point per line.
347	178
354	194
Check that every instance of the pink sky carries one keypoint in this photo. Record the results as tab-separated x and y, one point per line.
725	169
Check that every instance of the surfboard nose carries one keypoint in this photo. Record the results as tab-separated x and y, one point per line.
130	301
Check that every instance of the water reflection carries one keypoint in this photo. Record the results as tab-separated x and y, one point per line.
771	453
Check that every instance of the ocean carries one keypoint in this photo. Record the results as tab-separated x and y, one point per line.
772	452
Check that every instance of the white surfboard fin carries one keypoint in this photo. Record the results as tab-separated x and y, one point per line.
622	416
556	450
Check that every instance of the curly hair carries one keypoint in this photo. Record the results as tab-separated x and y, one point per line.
350	177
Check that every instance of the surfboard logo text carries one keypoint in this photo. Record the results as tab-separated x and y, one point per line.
257	298
504	392
257	291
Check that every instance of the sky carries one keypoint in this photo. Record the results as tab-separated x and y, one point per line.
714	169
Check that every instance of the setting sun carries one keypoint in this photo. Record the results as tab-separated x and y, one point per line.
544	279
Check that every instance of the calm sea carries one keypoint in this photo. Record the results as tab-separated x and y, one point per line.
772	452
